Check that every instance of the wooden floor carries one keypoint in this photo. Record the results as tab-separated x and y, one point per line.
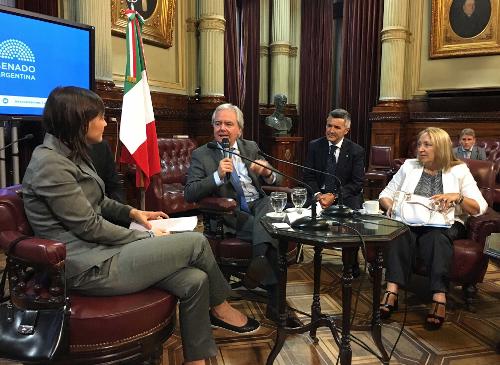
466	337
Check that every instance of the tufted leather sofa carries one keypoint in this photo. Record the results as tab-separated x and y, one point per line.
166	191
469	261
124	329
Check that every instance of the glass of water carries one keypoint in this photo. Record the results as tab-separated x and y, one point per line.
278	201
299	197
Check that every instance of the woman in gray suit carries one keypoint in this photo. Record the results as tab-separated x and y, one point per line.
64	200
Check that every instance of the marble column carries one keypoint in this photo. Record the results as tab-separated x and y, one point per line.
212	27
191	47
294	71
98	14
395	35
280	48
264	52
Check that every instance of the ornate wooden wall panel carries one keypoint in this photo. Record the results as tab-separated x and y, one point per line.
397	125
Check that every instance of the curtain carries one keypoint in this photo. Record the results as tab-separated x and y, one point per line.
361	64
241	60
315	68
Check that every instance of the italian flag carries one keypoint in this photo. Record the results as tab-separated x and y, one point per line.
137	126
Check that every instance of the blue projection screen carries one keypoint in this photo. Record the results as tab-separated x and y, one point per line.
38	53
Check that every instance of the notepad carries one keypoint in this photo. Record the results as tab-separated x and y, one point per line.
181	224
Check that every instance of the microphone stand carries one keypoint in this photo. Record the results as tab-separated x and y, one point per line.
333	211
312	223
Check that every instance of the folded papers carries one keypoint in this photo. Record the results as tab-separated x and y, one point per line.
182	224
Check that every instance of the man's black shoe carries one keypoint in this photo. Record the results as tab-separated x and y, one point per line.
291	320
257	271
251	325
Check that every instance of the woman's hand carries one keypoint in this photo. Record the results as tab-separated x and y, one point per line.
445	201
143	216
386	204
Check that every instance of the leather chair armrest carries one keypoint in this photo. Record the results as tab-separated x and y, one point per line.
270	188
478	228
217	204
35	250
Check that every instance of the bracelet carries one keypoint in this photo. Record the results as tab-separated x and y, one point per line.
151	233
268	176
460	199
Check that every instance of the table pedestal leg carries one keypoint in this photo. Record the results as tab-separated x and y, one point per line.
282	313
376	324
316	303
345	345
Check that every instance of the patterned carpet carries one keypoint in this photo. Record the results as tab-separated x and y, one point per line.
466	337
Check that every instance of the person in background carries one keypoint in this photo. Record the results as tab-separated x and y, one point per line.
467	147
337	155
64	201
435	173
104	163
207	176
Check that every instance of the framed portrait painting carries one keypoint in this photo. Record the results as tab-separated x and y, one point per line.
464	28
158	16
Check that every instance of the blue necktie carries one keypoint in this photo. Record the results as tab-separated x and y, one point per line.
331	167
235	181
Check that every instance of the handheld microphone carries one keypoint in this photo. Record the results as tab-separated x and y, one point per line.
333	211
26	137
225	146
312	223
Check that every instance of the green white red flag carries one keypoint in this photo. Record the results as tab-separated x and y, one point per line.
137	126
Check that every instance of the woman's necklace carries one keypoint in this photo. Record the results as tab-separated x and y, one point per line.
430	171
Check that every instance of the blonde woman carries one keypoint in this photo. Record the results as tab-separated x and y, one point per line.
435	173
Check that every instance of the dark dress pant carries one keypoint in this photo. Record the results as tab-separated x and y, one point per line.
432	246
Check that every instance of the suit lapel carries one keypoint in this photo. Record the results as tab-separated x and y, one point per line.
344	156
323	151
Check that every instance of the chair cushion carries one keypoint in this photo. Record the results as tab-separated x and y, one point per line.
97	322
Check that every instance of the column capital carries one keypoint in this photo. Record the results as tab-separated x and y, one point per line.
191	25
213	22
280	48
395	32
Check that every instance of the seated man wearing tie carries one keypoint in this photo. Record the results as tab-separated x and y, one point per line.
212	174
467	147
338	156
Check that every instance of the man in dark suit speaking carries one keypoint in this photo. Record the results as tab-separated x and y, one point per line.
341	157
213	174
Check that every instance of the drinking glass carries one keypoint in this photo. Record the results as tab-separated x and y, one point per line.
278	201
299	197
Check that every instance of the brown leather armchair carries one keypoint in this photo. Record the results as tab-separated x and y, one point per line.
469	261
125	329
166	190
379	172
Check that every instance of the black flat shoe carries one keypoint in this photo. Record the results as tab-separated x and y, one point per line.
257	271
291	320
433	315
251	325
385	308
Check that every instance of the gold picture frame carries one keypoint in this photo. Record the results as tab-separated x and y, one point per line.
159	20
464	28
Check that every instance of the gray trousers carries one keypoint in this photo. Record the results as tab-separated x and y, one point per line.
182	264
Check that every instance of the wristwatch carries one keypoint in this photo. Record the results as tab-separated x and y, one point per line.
460	199
151	233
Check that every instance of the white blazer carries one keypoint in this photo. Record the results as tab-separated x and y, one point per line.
458	179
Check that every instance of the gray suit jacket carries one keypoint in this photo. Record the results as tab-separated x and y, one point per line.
477	153
64	201
204	162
